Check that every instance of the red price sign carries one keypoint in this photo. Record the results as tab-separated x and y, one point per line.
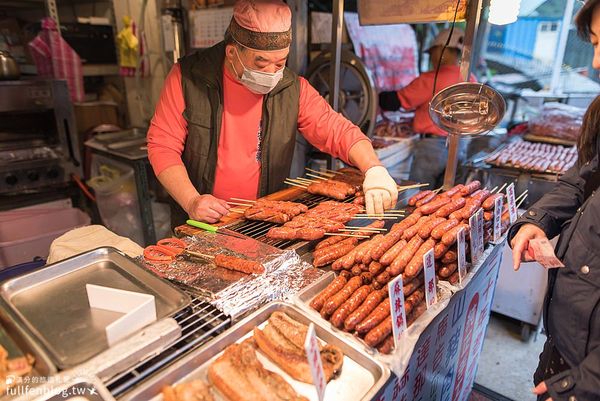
396	293
512	204
429	272
311	346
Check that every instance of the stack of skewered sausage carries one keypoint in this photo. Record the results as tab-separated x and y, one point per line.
356	301
538	157
346	182
327	217
279	212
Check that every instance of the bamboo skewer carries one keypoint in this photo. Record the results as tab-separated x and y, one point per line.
363	230
243	200
320	172
317	177
406	187
332	171
521	201
293	184
376	217
502	187
368	228
237	210
239	204
347	235
305	180
494	189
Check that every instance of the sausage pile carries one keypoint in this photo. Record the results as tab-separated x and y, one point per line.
537	157
279	212
327	217
356	301
348	182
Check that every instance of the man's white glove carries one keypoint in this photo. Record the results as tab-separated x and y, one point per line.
381	191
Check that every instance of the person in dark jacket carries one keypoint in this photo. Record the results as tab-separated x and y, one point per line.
569	367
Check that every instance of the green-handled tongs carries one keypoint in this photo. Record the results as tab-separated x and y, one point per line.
214	229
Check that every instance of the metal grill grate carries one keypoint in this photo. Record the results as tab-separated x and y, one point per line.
200	322
258	229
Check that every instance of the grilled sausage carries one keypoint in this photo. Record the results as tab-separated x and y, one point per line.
374	318
383	278
405	255
474	203
346	274
427	228
448	270
438	232
375	268
341	296
449	257
239	264
387	346
356	270
440	249
471	187
332	253
450	207
449	238
379	332
409	221
435	205
346	262
332	288
417	311
413	300
370	303
415	198
426	199
386	243
489	203
415	265
327	242
364	255
392	253
453	279
413	230
413	285
351	304
366	277
454	190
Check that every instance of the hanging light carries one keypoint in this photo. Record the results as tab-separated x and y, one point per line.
504	12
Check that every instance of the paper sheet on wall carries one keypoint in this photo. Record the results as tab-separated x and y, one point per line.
374	12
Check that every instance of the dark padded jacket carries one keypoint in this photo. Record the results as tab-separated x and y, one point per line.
572	304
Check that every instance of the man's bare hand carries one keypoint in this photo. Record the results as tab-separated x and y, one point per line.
207	208
520	243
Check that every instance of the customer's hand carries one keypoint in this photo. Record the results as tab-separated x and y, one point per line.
541	389
520	243
207	208
381	191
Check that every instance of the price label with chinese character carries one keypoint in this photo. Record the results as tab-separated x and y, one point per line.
497	219
429	273
476	237
311	346
512	204
461	240
396	294
481	235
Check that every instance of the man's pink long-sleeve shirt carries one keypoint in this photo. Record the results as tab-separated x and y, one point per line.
238	167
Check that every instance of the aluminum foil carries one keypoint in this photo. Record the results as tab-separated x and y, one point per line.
235	293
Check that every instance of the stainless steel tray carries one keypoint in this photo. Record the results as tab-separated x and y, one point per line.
51	304
10	332
361	378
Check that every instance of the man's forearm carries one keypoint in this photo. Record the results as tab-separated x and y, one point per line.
363	156
177	182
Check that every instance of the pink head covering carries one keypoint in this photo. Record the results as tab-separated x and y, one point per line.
264	25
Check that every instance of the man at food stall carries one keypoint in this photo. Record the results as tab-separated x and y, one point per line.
226	121
430	153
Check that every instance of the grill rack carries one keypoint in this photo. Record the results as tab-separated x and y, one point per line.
258	229
200	322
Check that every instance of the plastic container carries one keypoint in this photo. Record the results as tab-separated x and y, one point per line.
27	233
116	196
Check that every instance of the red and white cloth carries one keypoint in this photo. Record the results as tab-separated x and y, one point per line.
54	58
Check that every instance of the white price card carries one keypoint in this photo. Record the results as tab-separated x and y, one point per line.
429	273
497	219
396	294
512	204
461	240
476	238
481	234
311	346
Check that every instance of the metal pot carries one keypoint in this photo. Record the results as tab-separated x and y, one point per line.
9	69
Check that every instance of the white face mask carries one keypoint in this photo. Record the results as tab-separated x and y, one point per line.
258	82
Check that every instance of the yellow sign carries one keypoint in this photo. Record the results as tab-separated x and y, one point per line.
378	12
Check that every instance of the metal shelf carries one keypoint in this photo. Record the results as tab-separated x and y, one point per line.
89	70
